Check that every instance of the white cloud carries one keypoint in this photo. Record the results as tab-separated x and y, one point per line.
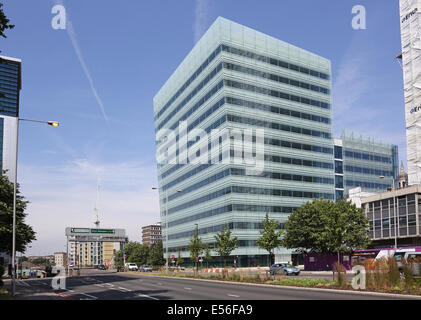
63	196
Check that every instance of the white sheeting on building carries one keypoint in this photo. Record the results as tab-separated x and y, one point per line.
410	13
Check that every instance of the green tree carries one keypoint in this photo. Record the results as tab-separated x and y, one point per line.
323	226
224	243
195	246
179	258
4	22
207	254
118	259
156	255
270	238
24	233
137	253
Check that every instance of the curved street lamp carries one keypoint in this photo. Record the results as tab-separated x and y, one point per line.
51	123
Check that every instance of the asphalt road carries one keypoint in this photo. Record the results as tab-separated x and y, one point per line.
105	285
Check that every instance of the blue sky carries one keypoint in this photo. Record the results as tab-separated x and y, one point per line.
124	52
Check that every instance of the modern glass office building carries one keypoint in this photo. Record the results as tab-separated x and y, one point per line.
244	128
10	86
363	162
271	103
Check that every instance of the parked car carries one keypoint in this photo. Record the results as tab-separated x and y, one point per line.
145	268
102	267
132	266
284	268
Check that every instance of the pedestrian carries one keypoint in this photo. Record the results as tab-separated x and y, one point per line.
235	264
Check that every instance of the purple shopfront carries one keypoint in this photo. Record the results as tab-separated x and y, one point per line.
325	261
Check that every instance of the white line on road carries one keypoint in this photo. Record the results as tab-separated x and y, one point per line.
146	296
232	295
187	288
88	295
124	289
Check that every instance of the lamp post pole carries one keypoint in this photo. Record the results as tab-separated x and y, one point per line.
394	211
166	227
51	123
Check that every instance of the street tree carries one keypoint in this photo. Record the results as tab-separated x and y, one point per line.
24	232
156	254
323	226
225	244
207	254
138	253
195	247
270	237
179	259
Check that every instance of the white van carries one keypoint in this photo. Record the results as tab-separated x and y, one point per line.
131	266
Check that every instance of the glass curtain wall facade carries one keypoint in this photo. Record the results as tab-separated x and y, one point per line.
10	86
363	162
271	102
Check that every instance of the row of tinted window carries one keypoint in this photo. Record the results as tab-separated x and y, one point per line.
370	171
277	110
366	184
276	78
200	200
282	176
275	62
187	99
268	141
367	156
277	94
218	228
282	193
242	172
278	126
189	81
248	104
226	173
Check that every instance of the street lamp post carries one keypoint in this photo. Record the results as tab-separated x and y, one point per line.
394	211
51	123
166	227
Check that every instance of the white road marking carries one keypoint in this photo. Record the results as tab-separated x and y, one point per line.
146	296
232	295
187	288
124	289
88	295
159	283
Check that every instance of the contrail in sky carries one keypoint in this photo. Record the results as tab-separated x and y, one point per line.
71	32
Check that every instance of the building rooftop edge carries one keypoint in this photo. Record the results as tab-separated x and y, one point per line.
11	58
393	193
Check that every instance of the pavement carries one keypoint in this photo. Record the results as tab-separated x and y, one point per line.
108	285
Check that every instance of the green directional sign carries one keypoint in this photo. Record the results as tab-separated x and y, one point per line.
106	231
80	230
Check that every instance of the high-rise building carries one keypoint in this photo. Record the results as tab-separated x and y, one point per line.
10	86
363	162
244	128
273	101
151	234
410	14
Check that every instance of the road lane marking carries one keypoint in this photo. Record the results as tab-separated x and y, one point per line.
124	289
88	295
232	295
146	296
187	288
